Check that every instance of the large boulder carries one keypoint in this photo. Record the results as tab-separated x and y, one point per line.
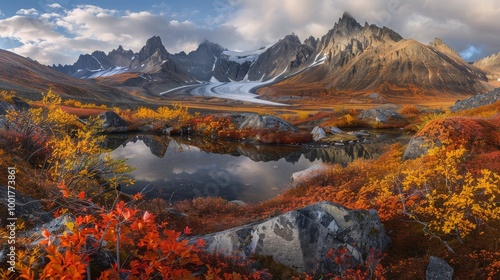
438	269
255	121
301	238
417	147
113	123
380	115
478	136
21	105
27	208
308	174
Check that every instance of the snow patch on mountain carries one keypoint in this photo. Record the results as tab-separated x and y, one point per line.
109	72
244	56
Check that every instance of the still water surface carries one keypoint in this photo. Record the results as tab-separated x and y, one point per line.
178	168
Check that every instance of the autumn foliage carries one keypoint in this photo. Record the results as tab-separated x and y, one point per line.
443	203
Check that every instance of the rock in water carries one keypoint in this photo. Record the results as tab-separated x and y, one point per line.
301	238
438	269
113	123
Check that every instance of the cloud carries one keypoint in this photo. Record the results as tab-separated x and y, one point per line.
60	37
27	12
57	35
458	22
55	6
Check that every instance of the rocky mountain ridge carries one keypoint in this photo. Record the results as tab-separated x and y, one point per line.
350	58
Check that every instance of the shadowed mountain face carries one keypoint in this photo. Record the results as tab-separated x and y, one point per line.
350	58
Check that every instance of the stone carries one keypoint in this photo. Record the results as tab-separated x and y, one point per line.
301	238
477	101
438	269
27	207
255	121
415	148
318	133
5	106
113	122
167	130
336	130
20	104
359	133
307	174
380	115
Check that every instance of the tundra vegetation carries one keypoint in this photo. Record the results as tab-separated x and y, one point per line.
442	203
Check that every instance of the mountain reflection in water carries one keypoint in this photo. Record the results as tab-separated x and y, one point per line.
177	168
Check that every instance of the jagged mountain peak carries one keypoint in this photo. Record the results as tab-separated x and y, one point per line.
444	48
490	63
311	42
207	45
152	45
347	24
292	38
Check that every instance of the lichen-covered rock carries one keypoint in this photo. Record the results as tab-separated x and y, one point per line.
477	135
438	269
301	238
113	123
255	121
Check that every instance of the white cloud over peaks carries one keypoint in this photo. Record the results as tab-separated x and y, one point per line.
60	37
459	23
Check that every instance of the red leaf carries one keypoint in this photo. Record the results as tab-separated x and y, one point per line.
63	188
201	243
81	195
187	230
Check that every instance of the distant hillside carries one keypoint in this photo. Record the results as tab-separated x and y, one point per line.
30	78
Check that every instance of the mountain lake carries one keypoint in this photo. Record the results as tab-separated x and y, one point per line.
185	167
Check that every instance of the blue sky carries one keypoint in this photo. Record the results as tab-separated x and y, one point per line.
57	31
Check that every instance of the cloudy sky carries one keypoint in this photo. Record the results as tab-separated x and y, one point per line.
57	31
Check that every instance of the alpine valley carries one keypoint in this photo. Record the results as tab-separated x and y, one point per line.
350	62
356	155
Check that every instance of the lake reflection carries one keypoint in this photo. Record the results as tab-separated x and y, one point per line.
187	167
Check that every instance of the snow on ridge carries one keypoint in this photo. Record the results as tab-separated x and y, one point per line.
213	67
107	73
244	56
98	62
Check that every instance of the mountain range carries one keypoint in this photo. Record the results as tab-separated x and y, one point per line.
350	58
